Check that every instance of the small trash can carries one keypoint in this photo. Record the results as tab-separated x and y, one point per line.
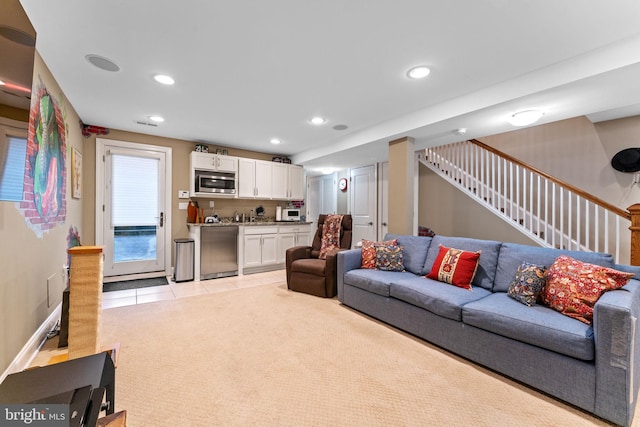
183	260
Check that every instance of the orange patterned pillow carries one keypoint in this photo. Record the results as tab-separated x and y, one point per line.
573	286
369	251
455	266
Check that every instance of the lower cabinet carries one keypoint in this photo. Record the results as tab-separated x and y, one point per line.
290	236
264	247
260	246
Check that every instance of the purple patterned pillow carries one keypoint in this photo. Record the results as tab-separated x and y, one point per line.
528	283
389	258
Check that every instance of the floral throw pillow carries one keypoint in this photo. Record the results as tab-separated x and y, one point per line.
573	286
389	258
455	266
369	251
528	283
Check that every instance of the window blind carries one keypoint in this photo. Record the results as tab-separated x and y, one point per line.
134	191
12	164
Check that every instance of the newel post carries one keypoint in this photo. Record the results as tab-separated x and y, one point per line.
634	210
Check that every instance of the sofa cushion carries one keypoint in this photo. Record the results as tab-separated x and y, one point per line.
573	286
313	266
455	267
539	325
374	281
488	258
415	251
369	251
389	258
437	297
528	283
513	254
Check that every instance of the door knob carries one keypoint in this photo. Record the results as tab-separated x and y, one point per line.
384	224
161	219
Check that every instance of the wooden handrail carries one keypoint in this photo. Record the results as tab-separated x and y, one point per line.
585	195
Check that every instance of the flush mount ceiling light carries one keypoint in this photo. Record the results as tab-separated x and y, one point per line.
157	119
275	141
164	79
524	118
102	63
419	72
317	120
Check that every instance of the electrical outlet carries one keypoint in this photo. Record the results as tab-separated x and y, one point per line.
183	206
210	203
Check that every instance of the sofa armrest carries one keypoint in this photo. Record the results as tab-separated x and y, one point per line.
347	261
617	345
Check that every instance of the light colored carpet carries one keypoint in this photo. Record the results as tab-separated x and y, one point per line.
265	356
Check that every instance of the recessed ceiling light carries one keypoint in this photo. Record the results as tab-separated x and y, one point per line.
157	119
102	63
419	72
460	131
164	79
275	141
524	118
341	127
326	171
317	120
1	83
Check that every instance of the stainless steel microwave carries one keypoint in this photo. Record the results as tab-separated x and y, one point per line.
215	182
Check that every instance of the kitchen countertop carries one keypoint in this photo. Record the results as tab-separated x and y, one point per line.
250	224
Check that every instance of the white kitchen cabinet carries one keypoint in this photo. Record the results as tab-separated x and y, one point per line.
260	246
254	179
213	162
296	183
287	181
290	236
280	181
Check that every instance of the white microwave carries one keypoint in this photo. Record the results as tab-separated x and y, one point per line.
290	214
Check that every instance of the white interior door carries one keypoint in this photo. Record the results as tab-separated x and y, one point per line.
134	216
322	198
363	203
383	200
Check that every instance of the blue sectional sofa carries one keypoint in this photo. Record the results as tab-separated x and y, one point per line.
594	367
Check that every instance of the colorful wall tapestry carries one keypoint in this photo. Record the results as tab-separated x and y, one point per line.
44	204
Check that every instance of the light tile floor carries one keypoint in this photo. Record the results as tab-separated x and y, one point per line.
186	289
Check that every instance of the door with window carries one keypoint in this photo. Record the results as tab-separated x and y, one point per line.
133	215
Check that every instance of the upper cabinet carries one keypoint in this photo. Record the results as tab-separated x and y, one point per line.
213	162
212	175
254	179
287	181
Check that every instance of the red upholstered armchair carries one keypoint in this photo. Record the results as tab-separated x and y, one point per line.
309	274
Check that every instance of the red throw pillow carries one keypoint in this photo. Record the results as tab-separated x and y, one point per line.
369	251
455	266
573	286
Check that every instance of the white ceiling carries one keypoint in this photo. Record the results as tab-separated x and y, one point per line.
248	71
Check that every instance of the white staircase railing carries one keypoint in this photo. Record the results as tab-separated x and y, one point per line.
549	211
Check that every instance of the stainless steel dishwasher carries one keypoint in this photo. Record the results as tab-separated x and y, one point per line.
218	251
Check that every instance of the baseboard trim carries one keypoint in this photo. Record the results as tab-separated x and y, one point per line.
30	350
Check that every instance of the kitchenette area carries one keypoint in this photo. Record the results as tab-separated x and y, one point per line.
243	214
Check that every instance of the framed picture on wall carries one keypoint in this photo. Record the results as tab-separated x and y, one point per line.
76	174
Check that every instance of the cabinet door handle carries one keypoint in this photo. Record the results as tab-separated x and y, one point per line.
384	224
370	223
